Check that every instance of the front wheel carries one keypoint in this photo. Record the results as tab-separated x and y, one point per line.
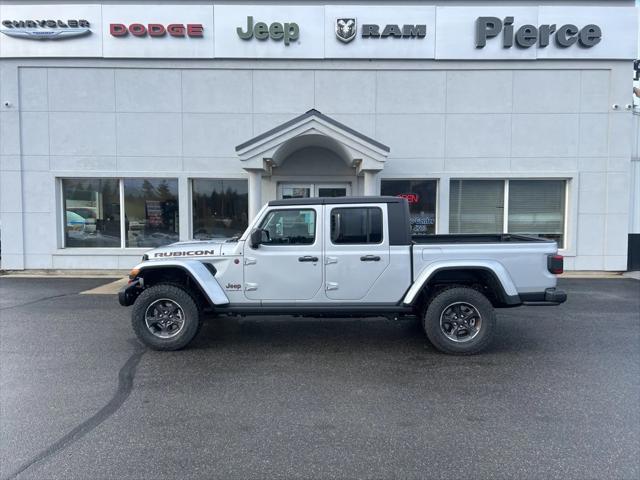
165	317
459	320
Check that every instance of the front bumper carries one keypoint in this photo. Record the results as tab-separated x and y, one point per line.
128	294
551	296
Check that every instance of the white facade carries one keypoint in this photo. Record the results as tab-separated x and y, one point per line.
104	107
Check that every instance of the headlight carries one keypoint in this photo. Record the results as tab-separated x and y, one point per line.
134	273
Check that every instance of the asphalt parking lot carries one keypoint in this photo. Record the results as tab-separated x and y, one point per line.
556	396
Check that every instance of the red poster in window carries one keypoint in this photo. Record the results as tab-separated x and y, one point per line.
154	213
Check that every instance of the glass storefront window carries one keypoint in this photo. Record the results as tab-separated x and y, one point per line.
476	206
536	207
151	211
421	195
91	212
220	208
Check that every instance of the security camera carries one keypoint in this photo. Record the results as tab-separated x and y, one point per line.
7	104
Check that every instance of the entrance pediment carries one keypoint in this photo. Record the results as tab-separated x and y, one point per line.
312	128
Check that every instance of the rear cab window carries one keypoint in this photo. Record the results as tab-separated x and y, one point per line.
356	225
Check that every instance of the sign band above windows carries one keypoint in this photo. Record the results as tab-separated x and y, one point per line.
333	31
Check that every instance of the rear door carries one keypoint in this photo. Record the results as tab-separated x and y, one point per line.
288	266
356	249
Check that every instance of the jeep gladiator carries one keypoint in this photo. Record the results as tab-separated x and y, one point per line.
336	257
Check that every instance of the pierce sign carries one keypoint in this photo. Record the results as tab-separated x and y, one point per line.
529	35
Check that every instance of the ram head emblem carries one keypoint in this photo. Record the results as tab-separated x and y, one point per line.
345	29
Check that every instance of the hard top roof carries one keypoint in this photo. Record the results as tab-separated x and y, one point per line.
336	200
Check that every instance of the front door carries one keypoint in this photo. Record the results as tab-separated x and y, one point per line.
288	266
308	190
356	250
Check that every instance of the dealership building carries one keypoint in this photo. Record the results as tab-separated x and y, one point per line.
125	126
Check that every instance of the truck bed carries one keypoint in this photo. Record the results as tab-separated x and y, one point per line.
523	258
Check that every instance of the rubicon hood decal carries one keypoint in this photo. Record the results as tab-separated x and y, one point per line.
45	34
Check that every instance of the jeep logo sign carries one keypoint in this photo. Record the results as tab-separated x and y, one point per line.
287	32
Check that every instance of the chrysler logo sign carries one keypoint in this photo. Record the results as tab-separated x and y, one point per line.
45	29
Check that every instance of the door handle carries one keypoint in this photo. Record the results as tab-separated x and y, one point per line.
370	258
308	258
332	286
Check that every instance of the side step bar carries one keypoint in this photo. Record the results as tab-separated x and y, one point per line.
357	310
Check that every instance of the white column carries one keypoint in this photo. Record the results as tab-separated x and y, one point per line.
255	193
370	182
442	207
184	201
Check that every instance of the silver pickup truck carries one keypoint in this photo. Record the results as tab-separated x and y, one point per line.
335	257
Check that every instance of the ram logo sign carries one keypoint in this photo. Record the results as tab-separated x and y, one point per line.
346	29
45	29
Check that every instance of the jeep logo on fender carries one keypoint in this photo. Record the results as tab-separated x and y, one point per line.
156	30
276	31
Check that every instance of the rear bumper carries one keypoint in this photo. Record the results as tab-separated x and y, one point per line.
551	296
128	294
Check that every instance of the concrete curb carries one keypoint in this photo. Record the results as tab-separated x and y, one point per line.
64	273
591	274
108	288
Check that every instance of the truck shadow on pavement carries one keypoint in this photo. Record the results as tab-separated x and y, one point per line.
323	336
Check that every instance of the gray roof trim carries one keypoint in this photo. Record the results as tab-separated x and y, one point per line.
312	113
336	200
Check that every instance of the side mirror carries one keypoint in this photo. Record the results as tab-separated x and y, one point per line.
258	236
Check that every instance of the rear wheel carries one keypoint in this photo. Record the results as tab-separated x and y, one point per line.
459	320
165	317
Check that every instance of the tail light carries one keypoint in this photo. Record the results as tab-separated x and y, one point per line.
555	264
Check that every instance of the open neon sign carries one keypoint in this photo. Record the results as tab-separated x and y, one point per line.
412	198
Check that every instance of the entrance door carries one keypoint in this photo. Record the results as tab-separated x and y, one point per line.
295	190
332	189
308	190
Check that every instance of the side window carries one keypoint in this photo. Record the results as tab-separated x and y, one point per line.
290	227
356	225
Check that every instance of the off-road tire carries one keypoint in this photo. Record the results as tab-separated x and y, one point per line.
189	305
435	309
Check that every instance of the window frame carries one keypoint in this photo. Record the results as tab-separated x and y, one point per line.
567	246
382	239
190	190
289	209
438	227
61	218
